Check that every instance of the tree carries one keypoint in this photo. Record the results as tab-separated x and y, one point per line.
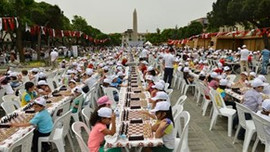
231	12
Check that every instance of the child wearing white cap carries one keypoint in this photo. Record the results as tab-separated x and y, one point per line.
77	91
164	127
264	113
43	88
223	83
43	122
99	120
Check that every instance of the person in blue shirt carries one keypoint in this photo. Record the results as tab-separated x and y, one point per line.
265	60
42	121
230	57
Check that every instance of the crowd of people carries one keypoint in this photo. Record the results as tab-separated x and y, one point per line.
158	66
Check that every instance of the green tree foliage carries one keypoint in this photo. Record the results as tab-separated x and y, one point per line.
176	33
245	12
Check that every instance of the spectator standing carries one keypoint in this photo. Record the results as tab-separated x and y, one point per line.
54	57
265	60
244	58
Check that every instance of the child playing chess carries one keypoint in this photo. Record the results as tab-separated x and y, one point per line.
164	127
42	121
99	120
29	95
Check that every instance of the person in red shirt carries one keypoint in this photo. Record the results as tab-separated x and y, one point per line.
250	60
219	70
143	67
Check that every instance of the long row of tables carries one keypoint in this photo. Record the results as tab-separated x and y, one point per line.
133	129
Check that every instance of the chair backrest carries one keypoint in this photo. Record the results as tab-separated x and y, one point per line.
81	100
25	142
231	77
9	107
86	112
166	86
77	128
62	122
241	110
60	110
215	100
183	132
13	98
262	127
177	109
181	100
169	91
109	92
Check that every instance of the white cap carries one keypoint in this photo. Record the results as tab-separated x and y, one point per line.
105	68
219	65
205	62
214	75
245	73
13	74
150	68
226	68
35	70
186	69
262	77
42	75
244	46
107	80
42	82
266	105
144	62
71	71
252	74
257	83
89	71
223	82
160	96
120	74
158	86
72	81
202	73
105	112
149	77
186	63
119	68
162	106
40	101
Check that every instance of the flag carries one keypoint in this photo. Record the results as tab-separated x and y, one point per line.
1	23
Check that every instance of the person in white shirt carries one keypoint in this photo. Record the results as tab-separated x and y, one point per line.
244	59
144	54
265	113
54	57
168	62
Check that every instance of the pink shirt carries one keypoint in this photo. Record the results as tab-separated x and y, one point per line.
96	137
213	84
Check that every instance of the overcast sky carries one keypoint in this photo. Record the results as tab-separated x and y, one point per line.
112	16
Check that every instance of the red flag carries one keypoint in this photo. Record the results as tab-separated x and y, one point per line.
5	24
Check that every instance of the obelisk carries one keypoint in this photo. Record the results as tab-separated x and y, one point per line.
135	26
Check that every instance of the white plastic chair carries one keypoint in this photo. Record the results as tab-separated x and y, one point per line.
169	91
219	108
25	142
86	112
59	133
181	100
76	115
14	98
76	128
262	128
166	87
177	109
206	101
60	110
9	107
109	93
181	144
248	125
231	77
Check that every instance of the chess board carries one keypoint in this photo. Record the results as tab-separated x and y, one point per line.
141	103
137	115
7	132
144	130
